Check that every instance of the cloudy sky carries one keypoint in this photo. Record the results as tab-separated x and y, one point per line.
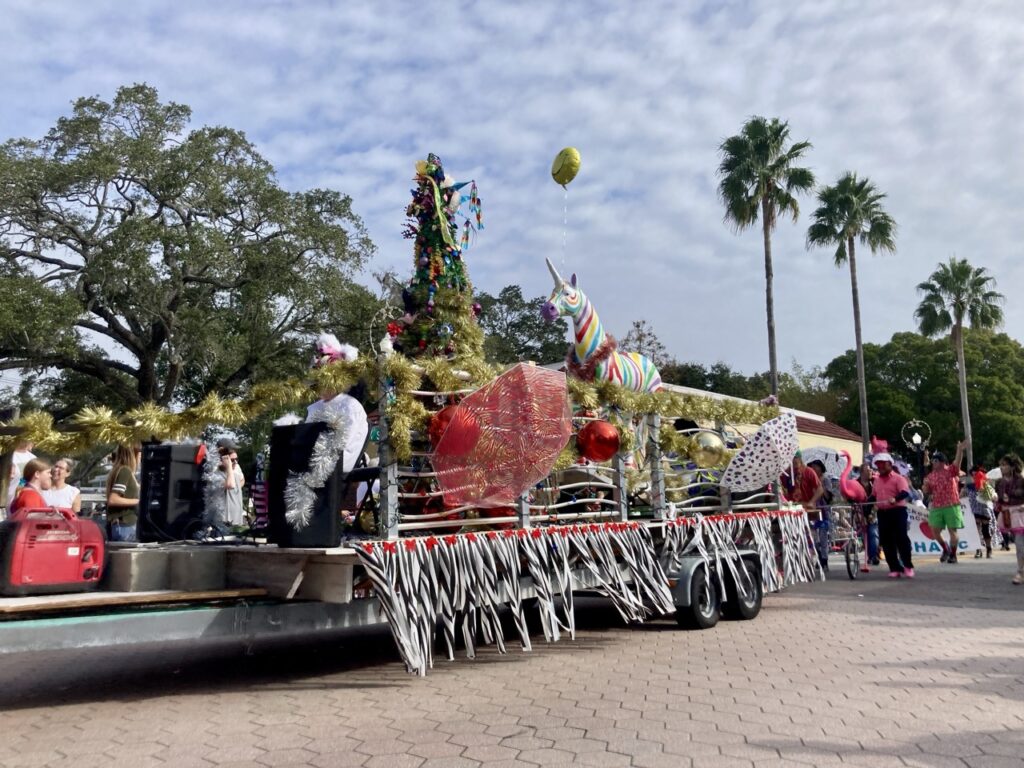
924	97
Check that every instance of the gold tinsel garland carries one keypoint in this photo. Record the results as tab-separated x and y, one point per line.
397	377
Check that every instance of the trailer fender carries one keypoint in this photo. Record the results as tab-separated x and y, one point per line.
679	580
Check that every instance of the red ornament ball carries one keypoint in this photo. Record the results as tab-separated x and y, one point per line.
598	441
454	431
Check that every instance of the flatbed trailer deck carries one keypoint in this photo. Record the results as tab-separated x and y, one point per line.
248	594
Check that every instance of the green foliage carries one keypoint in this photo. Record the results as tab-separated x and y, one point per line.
642	338
847	211
807	390
957	292
514	330
804	390
759	168
164	264
915	377
760	178
851	209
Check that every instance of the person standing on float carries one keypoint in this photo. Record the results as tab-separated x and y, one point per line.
339	408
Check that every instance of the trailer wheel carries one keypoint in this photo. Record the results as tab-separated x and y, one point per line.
742	608
704	609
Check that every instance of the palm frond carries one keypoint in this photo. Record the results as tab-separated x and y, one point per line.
958	291
756	167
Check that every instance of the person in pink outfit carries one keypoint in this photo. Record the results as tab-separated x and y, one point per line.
891	492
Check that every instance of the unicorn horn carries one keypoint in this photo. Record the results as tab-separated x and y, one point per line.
554	273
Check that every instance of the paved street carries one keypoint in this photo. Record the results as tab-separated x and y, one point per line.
873	673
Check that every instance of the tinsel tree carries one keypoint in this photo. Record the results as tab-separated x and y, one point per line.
440	317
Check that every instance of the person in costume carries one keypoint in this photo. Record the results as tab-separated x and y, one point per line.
36	477
942	492
336	407
60	494
892	492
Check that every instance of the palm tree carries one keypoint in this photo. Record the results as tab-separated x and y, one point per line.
760	178
848	211
955	292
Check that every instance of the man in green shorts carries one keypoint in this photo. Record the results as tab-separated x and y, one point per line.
942	492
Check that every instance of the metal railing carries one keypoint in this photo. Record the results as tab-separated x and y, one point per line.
581	493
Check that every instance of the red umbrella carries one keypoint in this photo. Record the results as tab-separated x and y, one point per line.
503	438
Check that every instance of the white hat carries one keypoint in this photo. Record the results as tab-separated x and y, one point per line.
882	457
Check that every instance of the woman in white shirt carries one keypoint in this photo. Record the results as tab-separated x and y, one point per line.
60	493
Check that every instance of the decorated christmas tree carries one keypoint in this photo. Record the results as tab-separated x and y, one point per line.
440	317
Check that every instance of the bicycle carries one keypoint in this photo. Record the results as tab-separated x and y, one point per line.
848	530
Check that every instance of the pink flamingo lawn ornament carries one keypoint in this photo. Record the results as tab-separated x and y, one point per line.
855	493
851	489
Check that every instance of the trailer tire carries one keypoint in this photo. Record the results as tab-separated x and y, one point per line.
739	608
704	609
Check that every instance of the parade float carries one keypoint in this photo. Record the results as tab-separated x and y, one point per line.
501	493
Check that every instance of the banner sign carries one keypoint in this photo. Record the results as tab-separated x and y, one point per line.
922	538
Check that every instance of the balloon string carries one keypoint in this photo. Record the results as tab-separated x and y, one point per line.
565	222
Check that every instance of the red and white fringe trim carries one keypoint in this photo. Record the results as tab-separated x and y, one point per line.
464	579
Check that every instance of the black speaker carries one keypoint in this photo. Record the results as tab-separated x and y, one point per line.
171	493
290	449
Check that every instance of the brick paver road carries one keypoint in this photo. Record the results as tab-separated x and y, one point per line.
873	673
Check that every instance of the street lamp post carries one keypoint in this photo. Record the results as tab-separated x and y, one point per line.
918	443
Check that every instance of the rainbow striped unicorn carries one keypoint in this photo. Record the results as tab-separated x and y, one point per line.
594	356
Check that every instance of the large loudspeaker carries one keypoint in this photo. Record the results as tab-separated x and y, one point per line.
290	449
171	494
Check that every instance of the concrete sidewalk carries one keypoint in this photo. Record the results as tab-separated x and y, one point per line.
872	672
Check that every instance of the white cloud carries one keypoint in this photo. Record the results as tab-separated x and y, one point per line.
919	96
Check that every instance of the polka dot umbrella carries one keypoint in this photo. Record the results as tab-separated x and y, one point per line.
764	457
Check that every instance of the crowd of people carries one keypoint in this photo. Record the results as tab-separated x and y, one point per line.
36	483
998	509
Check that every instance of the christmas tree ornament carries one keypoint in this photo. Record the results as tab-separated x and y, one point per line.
598	441
457	426
710	450
366	521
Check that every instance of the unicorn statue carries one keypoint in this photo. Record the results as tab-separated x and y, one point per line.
594	356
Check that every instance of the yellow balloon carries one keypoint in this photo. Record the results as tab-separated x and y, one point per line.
566	165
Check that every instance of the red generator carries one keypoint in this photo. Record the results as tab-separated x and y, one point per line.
49	550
